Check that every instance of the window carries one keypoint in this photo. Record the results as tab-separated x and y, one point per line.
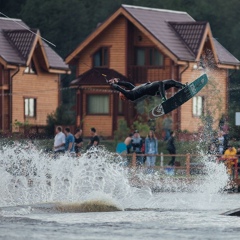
148	57
98	104
30	107
120	107
198	106
155	57
140	57
31	68
100	58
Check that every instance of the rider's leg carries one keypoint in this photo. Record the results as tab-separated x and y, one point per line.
162	90
172	83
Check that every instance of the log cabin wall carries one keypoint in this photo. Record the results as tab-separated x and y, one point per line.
42	87
102	123
214	94
121	37
113	38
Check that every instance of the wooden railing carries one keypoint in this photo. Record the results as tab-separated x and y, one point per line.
189	165
142	74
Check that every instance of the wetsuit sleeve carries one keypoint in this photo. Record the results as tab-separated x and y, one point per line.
126	84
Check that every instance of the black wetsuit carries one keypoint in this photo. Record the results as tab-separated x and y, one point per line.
149	88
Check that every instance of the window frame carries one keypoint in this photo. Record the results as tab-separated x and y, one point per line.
31	69
102	49
147	55
120	107
34	107
88	95
195	112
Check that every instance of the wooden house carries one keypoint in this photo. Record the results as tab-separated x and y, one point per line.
142	44
29	76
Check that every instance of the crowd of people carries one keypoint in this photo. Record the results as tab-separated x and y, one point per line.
223	149
146	148
65	141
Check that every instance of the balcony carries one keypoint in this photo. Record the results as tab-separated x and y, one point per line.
142	74
4	81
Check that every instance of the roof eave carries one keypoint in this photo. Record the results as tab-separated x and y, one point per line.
227	65
34	43
59	70
73	56
90	38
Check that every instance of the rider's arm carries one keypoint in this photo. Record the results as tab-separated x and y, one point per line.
126	84
117	81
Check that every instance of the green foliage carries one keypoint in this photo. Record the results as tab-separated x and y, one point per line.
122	131
234	105
20	124
62	116
141	126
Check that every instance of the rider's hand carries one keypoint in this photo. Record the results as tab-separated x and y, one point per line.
113	80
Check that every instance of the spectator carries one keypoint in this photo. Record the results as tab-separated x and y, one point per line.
69	145
78	142
128	142
229	154
137	146
143	150
94	141
167	126
171	148
225	141
59	141
238	156
151	148
220	142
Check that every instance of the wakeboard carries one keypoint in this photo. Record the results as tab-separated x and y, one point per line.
179	98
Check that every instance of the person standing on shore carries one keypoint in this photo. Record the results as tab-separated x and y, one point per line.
171	148
151	149
69	145
94	141
59	141
78	142
128	143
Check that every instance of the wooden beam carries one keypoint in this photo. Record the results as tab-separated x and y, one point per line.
226	66
92	36
30	55
59	71
207	33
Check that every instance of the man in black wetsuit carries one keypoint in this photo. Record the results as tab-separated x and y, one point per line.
149	88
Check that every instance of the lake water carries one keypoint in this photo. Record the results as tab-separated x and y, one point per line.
41	198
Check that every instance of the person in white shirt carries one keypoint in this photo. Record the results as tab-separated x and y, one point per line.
59	141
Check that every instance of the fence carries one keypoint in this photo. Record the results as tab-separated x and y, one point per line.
190	167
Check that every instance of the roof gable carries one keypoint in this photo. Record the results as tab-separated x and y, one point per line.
17	44
191	33
175	33
21	40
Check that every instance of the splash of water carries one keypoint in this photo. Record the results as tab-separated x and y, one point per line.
30	176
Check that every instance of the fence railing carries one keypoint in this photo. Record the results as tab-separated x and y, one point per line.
190	167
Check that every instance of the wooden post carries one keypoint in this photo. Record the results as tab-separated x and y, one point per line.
236	168
134	157
188	165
